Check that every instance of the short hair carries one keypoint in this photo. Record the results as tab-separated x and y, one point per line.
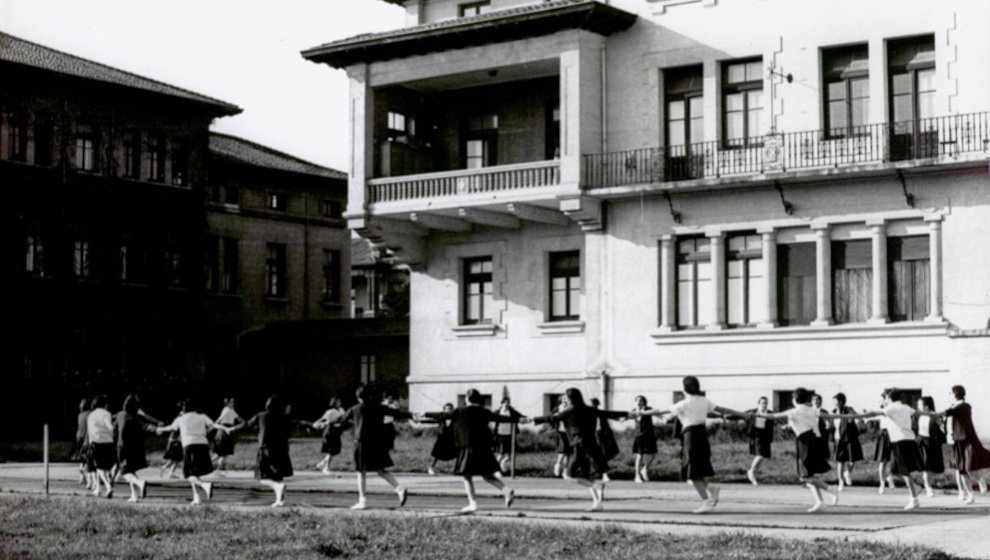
691	385
959	391
574	396
228	401
816	396
447	405
763	398
928	402
83	405
189	405
645	402
595	401
802	395
99	401
274	404
894	394
841	397
473	396
131	404
368	392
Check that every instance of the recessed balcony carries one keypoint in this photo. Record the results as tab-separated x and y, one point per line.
938	140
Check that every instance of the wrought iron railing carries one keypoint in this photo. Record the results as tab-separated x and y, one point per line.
465	181
938	137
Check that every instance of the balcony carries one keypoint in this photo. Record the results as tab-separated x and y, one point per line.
941	139
496	179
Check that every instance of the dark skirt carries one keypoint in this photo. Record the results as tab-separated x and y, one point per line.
696	454
196	460
905	458
388	436
848	450
223	443
931	454
645	444
78	452
759	446
104	455
331	441
810	459
563	444
443	447
477	460
272	464
173	451
503	444
882	450
586	461
131	459
970	457
371	457
607	443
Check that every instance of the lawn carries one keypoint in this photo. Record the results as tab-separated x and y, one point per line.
73	528
535	455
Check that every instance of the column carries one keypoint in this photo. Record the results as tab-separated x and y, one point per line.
935	269
878	235
362	156
668	284
770	275
580	105
717	240
823	280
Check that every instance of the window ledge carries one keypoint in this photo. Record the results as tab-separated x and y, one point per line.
778	334
327	304
277	300
225	295
475	331
561	327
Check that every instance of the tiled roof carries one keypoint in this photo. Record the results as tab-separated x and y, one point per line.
18	51
245	151
362	252
498	25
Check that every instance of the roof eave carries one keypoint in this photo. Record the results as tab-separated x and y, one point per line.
592	16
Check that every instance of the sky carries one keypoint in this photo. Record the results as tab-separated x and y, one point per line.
245	52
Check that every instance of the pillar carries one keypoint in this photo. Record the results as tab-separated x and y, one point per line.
935	269
823	279
717	240
878	235
769	319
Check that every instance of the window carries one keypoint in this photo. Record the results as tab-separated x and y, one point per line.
783	400
912	97
846	79
81	265
133	262
400	127
742	103
229	266
852	281
44	141
331	276
695	296
173	267
16	137
745	283
211	271
553	131
180	163
34	262
486	400
367	368
275	270
277	201
85	141
478	306
565	286
333	209
480	141
908	276
473	8
796	280
156	158
685	123
132	154
231	195
550	402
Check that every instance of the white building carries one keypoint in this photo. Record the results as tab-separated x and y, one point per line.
765	194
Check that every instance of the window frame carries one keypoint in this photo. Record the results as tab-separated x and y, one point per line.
478	8
850	58
479	280
132	154
749	139
895	249
747	257
696	257
34	258
86	148
277	201
16	132
156	153
569	275
331	270
275	270
483	133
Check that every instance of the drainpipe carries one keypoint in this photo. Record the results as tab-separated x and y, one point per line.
604	115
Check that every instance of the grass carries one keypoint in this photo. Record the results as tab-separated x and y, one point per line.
534	456
96	530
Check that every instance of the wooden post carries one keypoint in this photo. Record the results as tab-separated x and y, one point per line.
512	452
45	459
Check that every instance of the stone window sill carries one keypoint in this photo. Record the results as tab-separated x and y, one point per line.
561	327
475	331
934	327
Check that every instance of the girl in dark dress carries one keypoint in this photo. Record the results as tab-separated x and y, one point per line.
131	428
273	464
563	443
881	454
370	452
586	461
645	442
930	440
332	428
79	444
503	435
971	458
846	434
606	438
760	432
173	449
824	426
223	441
473	441
443	447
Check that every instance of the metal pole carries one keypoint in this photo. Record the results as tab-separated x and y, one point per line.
45	445
512	452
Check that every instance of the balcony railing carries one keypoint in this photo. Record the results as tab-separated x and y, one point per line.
465	181
939	137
